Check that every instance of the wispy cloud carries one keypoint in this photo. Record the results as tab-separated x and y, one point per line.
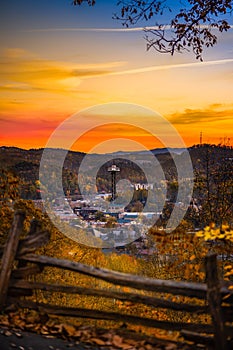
174	66
107	30
214	113
20	70
15	86
23	71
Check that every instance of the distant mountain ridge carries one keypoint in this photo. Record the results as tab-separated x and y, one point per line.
40	150
164	150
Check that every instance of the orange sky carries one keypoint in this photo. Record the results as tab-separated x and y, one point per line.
47	75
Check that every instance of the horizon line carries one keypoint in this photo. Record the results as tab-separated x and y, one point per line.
119	151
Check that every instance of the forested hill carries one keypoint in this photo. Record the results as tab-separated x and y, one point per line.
25	163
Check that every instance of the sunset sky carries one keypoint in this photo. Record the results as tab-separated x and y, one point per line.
57	60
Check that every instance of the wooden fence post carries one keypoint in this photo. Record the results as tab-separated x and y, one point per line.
214	301
35	226
9	254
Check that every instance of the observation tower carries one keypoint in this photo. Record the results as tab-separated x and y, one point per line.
113	169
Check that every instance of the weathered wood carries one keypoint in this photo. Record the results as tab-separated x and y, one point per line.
35	226
132	297
197	290
105	315
1	251
9	255
32	242
227	314
26	271
197	338
227	298
214	301
11	288
19	292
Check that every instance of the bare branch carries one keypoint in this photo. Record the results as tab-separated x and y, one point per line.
79	2
191	29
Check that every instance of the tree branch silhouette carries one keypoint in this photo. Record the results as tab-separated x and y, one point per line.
192	28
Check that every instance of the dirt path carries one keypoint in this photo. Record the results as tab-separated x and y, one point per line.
32	330
11	339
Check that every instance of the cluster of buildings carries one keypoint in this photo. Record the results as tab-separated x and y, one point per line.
100	213
97	212
110	223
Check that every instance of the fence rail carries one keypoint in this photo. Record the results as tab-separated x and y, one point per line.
14	285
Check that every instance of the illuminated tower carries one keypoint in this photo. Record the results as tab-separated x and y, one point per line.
113	169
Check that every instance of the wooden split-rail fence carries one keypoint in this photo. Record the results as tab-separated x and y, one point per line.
19	261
